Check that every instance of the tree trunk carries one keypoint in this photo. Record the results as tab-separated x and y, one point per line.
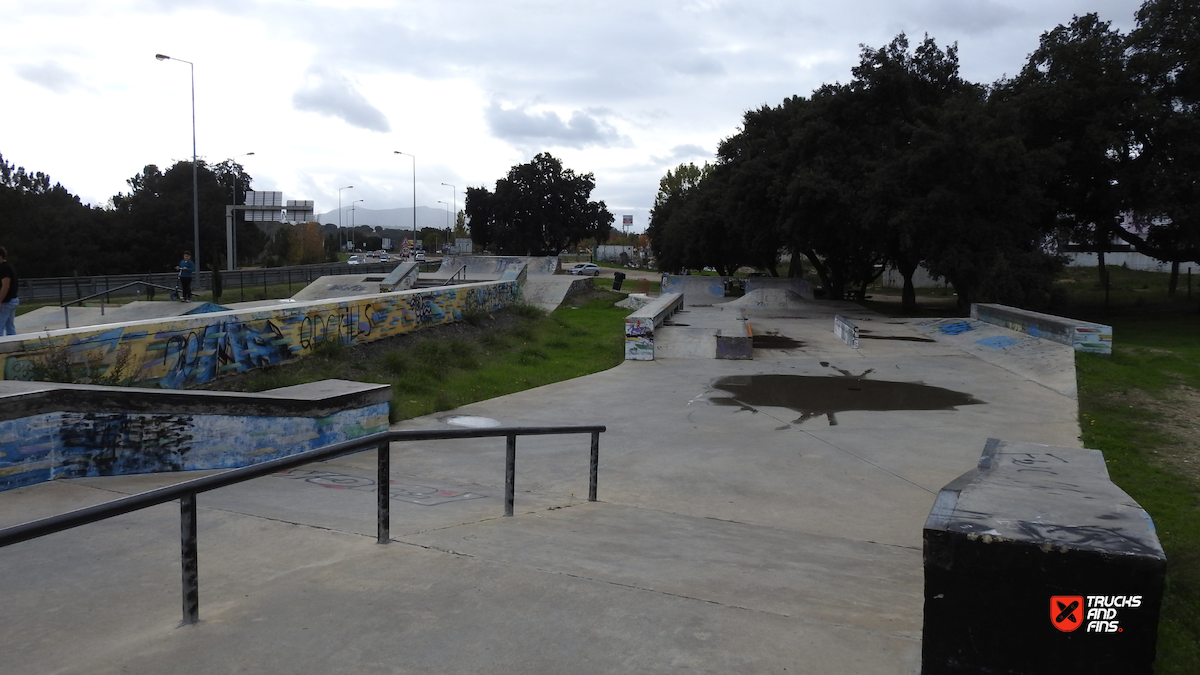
908	296
1174	283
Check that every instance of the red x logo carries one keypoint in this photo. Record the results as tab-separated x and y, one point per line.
1066	612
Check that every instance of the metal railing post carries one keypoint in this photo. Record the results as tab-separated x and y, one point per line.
510	473
382	494
595	466
190	558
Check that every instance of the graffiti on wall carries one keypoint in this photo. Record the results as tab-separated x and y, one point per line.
187	351
76	445
639	338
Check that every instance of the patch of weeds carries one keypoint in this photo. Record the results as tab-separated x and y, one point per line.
558	344
59	363
527	311
476	317
395	363
493	339
443	401
329	348
531	355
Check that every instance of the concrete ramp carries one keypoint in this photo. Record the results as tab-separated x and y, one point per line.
341	286
699	290
52	318
771	298
492	267
548	292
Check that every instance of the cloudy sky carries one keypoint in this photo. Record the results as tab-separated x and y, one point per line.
324	91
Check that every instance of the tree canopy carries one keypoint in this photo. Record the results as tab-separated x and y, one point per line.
908	165
49	232
539	208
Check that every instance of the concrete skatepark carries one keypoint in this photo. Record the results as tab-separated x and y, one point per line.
730	536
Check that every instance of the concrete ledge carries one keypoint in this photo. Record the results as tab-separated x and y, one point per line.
50	431
640	326
846	330
1037	553
1083	336
735	341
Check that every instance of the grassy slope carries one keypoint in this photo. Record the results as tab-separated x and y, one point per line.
439	370
1122	399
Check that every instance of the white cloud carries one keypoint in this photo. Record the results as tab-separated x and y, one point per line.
528	128
51	76
335	95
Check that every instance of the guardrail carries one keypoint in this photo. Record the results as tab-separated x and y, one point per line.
187	491
64	289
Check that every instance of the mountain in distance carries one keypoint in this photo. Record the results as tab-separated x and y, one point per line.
390	219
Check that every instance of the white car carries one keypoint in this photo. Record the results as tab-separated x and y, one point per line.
383	257
420	256
357	260
587	269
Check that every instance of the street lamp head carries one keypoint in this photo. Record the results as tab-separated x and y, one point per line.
161	57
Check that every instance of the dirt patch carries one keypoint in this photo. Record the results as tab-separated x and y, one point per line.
1176	415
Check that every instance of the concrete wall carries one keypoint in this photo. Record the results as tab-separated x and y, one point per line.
185	351
1082	336
699	290
50	431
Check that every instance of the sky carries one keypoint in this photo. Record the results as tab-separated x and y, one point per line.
324	92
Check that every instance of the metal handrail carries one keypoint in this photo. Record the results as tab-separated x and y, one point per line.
186	491
107	291
461	271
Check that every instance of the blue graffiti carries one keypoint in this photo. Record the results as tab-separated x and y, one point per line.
957	328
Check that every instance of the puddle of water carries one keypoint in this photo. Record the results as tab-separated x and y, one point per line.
774	341
812	396
469	421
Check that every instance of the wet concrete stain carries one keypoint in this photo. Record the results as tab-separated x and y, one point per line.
774	341
812	396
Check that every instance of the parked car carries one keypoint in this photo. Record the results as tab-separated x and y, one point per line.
585	269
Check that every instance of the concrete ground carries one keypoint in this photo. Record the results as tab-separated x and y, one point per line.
730	535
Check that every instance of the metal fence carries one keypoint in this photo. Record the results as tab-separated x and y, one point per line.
187	491
236	284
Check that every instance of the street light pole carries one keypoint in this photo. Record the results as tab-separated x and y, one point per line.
352	212
195	181
231	243
348	187
414	161
455	202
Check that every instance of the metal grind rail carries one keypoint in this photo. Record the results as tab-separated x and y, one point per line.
186	491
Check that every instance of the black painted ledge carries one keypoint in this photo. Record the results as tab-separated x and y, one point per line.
1034	562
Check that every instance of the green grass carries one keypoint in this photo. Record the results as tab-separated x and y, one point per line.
1122	400
631	285
430	373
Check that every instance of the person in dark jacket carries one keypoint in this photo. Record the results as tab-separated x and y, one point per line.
8	295
186	267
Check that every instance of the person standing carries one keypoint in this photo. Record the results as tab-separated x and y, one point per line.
8	295
186	268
